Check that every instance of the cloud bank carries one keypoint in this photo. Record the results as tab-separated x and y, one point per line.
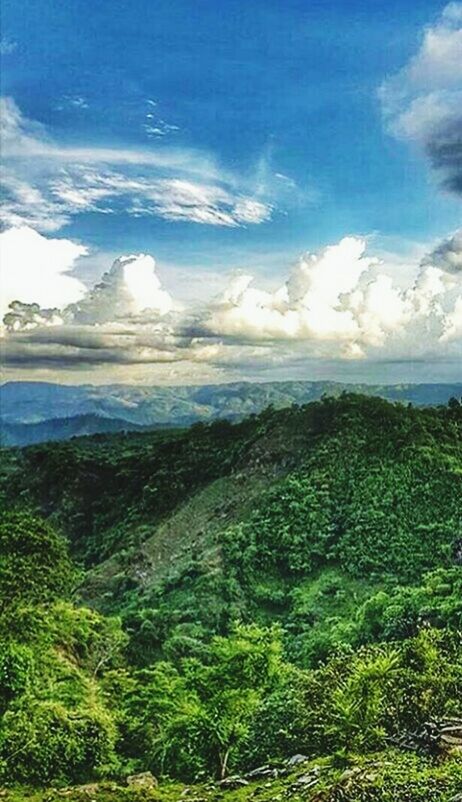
423	102
338	304
343	303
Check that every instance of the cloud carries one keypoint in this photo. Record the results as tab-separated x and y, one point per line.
22	316
170	198
22	138
155	126
25	205
47	184
453	323
447	255
35	269
444	146
126	318
37	290
76	101
77	347
343	303
423	102
159	128
307	307
7	46
72	345
129	289
72	102
337	304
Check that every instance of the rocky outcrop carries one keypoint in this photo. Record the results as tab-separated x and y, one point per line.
434	737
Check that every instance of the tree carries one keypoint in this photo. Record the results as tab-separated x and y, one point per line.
193	718
358	702
231	685
34	563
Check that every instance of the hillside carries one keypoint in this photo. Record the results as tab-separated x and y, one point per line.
246	591
31	412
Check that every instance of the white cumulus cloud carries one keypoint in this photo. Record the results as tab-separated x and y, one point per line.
308	306
130	288
343	303
338	304
35	269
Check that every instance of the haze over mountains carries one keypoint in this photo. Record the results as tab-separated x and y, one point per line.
32	412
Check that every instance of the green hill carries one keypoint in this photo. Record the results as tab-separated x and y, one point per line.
242	592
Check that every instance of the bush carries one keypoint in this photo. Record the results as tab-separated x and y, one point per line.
41	741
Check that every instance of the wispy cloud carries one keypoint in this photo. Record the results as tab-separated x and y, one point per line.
25	204
48	183
154	125
7	46
170	198
73	102
159	128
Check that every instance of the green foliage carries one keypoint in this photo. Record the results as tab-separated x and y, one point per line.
359	702
358	699
373	516
55	723
34	563
16	671
401	612
389	777
293	525
288	584
98	493
41	741
193	717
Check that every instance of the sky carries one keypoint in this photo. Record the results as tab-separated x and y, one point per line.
199	192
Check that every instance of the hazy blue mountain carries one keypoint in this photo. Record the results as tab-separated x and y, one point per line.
32	412
13	434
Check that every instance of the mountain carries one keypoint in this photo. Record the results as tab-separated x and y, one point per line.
84	409
237	594
363	462
14	434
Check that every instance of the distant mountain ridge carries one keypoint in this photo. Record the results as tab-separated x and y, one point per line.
14	434
32	412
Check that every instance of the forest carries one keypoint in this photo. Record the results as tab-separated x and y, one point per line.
263	610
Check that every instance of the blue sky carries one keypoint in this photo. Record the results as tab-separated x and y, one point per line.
270	108
290	83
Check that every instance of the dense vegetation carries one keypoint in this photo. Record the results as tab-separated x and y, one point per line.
196	603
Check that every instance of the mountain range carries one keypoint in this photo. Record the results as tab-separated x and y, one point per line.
33	412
